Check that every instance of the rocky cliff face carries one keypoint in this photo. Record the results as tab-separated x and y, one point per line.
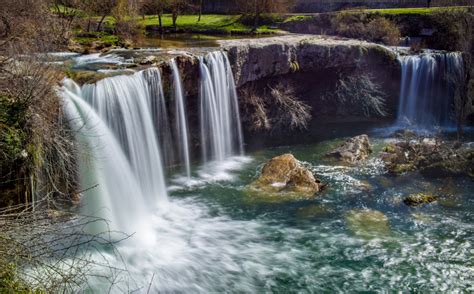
277	75
255	59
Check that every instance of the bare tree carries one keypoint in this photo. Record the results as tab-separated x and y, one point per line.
155	7
179	7
258	7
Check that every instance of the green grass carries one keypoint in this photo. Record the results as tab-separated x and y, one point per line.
209	23
298	18
88	38
411	11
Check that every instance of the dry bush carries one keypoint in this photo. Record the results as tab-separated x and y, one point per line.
359	26
274	107
359	94
255	107
463	102
50	251
384	31
291	111
349	24
36	149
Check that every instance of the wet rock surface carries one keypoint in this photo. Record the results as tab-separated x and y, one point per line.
285	174
353	150
419	199
431	156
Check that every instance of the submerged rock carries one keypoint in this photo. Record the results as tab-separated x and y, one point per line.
367	222
353	149
431	157
419	199
284	174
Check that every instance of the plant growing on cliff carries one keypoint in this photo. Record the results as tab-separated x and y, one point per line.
275	107
359	94
291	111
463	87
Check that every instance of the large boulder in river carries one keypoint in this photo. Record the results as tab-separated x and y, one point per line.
353	149
284	174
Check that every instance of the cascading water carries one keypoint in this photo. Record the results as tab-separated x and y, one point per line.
426	93
160	115
182	130
114	120
221	134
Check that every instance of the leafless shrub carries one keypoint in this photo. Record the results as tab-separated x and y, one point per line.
359	94
360	26
291	111
274	107
255	106
51	251
463	101
384	31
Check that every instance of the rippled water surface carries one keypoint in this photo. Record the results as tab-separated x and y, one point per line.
213	237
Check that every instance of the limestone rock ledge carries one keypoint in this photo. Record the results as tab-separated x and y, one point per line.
254	59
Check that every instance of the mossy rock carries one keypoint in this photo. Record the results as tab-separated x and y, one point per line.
367	223
419	199
352	150
86	77
284	177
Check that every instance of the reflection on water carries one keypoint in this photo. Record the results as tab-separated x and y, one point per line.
184	40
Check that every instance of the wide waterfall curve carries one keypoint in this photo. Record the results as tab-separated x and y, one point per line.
119	134
425	92
221	133
131	137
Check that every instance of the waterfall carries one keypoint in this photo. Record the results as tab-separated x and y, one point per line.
426	94
126	134
160	115
221	134
113	120
182	130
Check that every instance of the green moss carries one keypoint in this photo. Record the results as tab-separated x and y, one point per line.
106	39
85	77
419	199
298	18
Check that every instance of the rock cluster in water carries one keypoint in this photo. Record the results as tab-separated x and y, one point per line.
284	174
430	156
353	150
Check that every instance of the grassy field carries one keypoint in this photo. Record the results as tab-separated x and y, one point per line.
408	11
216	23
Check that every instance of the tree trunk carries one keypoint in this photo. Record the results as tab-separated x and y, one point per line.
257	16
89	25
200	10
175	18
160	21
100	23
